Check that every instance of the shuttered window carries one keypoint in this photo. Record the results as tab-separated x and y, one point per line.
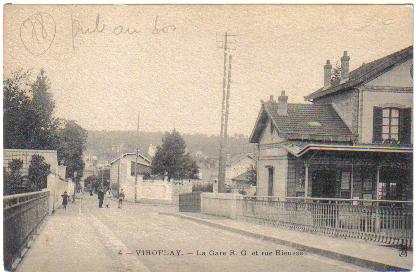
377	124
405	126
391	125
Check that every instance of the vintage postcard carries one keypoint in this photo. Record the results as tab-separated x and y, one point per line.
207	138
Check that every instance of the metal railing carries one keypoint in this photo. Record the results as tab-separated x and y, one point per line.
389	222
22	214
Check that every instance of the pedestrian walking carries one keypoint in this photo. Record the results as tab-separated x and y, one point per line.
107	198
65	198
120	199
100	197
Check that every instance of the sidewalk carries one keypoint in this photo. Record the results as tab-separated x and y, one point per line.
67	240
366	254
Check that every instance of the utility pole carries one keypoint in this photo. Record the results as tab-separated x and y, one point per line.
118	148
225	107
137	158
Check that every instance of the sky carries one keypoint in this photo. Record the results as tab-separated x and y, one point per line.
107	64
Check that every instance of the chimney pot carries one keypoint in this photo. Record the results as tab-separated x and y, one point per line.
345	66
282	106
327	74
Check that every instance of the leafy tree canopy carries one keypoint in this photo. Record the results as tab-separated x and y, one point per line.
172	160
38	172
29	123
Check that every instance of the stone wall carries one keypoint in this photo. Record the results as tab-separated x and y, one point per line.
57	187
220	204
159	191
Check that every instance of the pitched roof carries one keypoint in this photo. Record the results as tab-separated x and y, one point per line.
303	122
244	177
366	72
143	160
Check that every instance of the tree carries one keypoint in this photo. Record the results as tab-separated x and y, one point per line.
336	74
16	110
44	135
171	158
12	179
27	112
189	168
72	139
38	173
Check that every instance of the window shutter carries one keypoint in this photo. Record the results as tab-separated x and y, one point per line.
377	124
405	125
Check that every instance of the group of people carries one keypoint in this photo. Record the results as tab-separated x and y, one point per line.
101	196
107	196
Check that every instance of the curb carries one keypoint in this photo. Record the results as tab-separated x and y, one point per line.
319	251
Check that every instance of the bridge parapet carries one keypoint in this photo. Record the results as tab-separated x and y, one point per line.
22	215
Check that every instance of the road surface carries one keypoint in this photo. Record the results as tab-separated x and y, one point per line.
138	238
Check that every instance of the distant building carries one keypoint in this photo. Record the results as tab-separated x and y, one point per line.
238	165
122	172
90	168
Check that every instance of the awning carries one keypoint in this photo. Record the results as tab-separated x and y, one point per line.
300	150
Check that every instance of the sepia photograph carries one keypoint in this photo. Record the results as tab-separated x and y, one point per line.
216	137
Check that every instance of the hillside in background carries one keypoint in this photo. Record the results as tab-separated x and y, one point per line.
100	143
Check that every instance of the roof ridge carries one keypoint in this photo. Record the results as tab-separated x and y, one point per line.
401	55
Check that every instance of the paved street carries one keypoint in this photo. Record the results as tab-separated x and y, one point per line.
86	238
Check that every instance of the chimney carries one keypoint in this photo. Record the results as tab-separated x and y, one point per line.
327	74
282	107
345	66
271	98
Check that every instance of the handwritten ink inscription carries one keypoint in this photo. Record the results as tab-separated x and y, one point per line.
99	26
37	33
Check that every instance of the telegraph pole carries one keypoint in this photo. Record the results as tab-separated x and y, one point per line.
118	167
226	83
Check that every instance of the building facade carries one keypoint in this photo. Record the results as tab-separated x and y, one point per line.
353	141
123	175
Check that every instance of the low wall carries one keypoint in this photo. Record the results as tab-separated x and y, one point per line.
22	214
158	191
56	187
221	204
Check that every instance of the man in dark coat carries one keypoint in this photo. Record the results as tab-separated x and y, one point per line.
100	197
65	198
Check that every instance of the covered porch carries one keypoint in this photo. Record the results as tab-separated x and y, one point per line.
351	172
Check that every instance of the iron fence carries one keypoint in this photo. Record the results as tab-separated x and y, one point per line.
389	222
22	214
